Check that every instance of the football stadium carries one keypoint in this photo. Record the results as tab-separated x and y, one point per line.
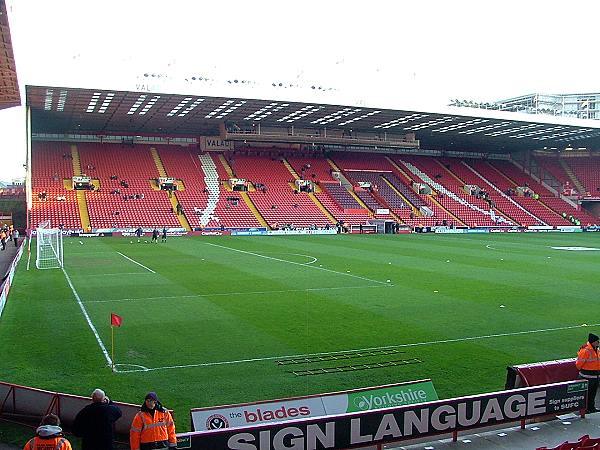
259	260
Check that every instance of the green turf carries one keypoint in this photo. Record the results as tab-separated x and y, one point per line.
217	300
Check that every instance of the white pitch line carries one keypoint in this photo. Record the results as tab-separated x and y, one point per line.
87	318
135	262
224	294
299	264
314	260
109	274
307	355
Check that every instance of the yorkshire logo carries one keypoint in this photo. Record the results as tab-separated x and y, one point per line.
216	422
388	399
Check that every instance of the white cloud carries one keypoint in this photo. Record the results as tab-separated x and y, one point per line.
424	52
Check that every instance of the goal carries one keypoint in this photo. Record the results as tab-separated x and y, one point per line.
49	248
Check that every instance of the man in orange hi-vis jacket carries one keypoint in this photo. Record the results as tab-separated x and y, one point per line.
588	363
48	435
152	427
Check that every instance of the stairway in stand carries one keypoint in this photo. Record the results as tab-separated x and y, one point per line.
172	195
580	188
81	200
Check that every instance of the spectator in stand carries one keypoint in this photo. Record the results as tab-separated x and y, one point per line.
153	426
48	435
588	364
95	422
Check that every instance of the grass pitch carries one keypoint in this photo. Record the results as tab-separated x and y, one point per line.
206	321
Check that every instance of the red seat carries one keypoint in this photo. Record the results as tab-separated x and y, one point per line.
564	446
587	440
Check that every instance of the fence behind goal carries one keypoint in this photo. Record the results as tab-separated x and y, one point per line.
49	247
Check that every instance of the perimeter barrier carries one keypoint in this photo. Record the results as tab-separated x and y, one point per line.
8	277
394	425
28	405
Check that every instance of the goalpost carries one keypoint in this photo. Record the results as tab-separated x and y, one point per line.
49	247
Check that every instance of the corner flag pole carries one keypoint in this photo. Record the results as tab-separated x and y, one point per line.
115	321
112	346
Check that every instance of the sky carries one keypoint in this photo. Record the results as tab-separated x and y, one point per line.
379	53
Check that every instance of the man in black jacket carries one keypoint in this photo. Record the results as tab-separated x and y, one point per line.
95	422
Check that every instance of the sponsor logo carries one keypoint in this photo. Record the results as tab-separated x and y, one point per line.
281	413
388	399
216	422
577	387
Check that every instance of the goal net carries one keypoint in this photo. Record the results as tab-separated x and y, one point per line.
49	248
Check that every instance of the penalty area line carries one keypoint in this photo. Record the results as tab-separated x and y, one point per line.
135	262
307	355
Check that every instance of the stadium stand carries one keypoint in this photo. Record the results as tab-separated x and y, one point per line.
586	171
312	168
553	166
51	164
542	207
451	195
341	204
389	191
280	203
362	161
128	200
508	204
205	201
585	442
330	192
385	195
436	202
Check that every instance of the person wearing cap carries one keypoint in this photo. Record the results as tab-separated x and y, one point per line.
94	424
588	363
153	426
48	435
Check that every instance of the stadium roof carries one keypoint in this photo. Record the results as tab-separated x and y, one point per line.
9	86
97	111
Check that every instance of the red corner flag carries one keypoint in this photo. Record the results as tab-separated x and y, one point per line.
115	320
